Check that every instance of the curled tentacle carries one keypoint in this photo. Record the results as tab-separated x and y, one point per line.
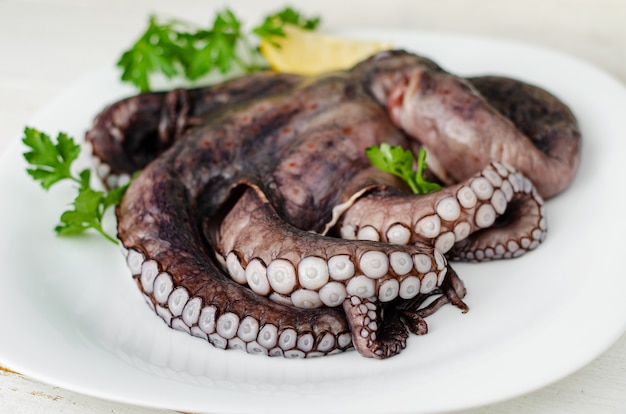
495	214
306	270
168	256
309	270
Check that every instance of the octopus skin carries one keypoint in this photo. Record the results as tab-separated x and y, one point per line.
258	223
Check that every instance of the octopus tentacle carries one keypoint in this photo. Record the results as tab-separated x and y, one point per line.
450	117
378	336
541	116
190	292
305	270
370	336
453	291
308	270
495	214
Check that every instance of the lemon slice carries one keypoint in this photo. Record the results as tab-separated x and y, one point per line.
308	53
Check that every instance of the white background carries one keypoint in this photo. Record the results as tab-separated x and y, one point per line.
46	45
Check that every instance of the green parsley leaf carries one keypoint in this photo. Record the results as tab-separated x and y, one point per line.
178	48
422	183
52	163
273	24
220	47
399	162
87	213
157	50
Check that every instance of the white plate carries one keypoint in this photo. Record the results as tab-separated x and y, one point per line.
71	316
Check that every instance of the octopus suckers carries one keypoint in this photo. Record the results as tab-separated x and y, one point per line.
134	261
368	233
445	241
340	267
163	285
333	294
177	300
467	198
429	282
462	231
256	276
440	259
312	272
305	342
268	336
191	312
149	271
494	177
401	263
516	181
482	187
282	276
442	276
227	325
374	264
498	201
102	169
348	232
235	270
423	263
398	234
507	189
485	216
217	341
448	209
287	339
501	169
428	227
207	319
279	298
388	290
410	287
326	343
361	286
248	329
305	298
344	340
294	354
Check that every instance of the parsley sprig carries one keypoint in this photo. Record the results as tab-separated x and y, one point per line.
51	163
178	48
399	162
273	25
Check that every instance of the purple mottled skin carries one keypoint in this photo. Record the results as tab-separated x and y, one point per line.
258	222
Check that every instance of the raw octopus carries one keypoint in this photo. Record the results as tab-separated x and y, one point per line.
258	223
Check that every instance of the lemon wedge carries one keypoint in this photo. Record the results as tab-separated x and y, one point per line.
308	53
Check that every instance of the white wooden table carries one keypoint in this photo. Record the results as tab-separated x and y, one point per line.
45	45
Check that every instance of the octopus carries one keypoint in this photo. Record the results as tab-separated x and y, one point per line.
258	223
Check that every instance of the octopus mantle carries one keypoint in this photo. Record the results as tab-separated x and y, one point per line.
258	223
